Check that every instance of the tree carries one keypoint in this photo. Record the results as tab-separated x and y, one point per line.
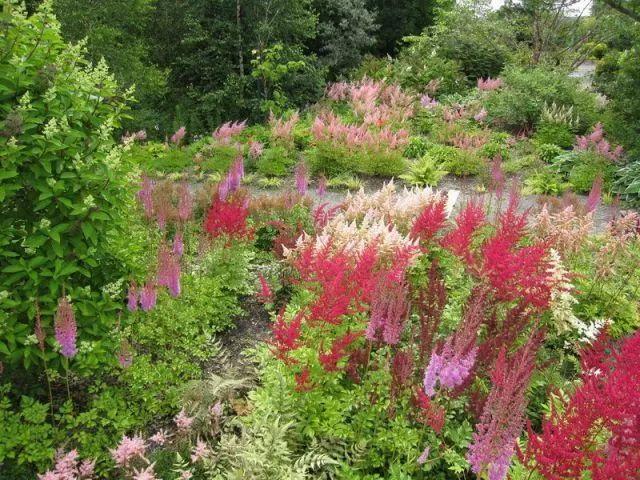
346	31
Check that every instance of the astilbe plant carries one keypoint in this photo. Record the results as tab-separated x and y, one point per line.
488	84
225	132
596	142
503	416
66	330
228	217
597	430
69	467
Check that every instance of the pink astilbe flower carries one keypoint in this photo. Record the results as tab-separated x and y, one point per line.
282	129
132	297
145	195
148	296
67	467
226	131
128	450
66	328
595	195
265	295
338	91
302	178
468	221
200	451
595	142
430	221
86	468
498	179
422	459
183	421
186	475
453	113
178	245
488	84
185	202
168	270
321	189
389	308
481	116
503	415
255	149
427	102
144	474
216	409
160	437
177	137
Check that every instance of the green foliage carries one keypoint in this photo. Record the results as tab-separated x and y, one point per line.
520	103
424	172
277	161
334	160
417	147
628	182
551	133
417	65
347	182
456	161
63	185
581	168
545	182
548	151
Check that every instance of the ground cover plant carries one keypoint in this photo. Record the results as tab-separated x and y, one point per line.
425	268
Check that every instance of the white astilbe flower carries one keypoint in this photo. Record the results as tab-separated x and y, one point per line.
400	208
562	300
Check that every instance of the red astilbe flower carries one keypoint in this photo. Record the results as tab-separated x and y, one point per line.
429	413
503	416
228	217
468	221
430	221
265	295
329	360
402	367
516	272
303	380
286	334
598	428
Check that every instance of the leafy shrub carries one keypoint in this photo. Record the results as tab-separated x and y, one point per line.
63	186
545	182
456	161
520	103
424	172
334	160
417	147
628	182
558	134
158	158
548	151
347	182
415	68
211	156
275	161
581	168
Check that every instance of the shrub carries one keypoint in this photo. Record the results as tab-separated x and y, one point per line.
63	187
581	168
551	133
275	161
545	182
628	182
547	152
456	161
520	103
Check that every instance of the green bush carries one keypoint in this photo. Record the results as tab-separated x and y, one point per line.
627	183
545	182
456	161
334	160
520	103
63	187
275	161
548	151
552	133
581	168
417	147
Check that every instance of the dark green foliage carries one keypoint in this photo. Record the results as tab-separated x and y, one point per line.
276	161
456	161
552	133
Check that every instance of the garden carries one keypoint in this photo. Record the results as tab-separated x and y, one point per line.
294	240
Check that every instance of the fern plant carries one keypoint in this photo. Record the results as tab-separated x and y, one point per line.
424	172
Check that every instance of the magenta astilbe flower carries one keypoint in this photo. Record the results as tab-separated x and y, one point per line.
178	136
128	449
481	115
148	296
145	195
224	188
595	195
132	297
321	190
183	421
422	459
302	179
178	245
168	270
65	328
185	202
200	451
503	415
389	309
255	149
236	174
